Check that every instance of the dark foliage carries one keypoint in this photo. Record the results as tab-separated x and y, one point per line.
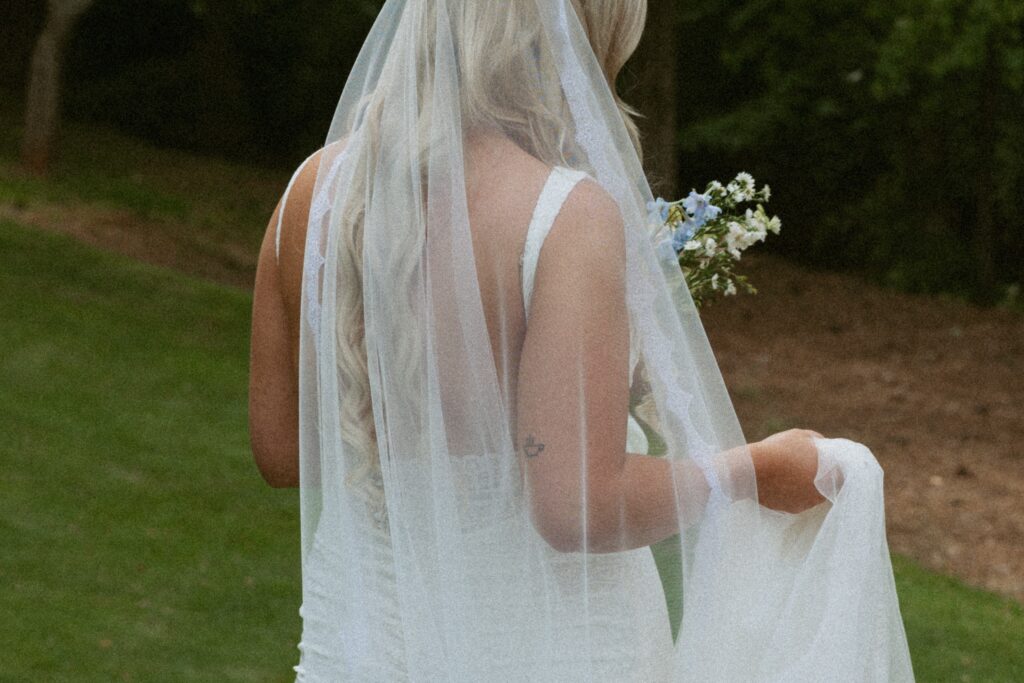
889	130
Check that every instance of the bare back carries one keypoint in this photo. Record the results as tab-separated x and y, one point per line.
503	185
578	295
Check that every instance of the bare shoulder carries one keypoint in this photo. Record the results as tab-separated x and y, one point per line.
295	219
297	204
589	230
591	205
300	195
508	181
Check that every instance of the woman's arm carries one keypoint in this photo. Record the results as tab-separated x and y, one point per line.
785	466
586	492
276	315
274	354
648	498
273	385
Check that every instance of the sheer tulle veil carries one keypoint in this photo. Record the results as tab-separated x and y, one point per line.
423	555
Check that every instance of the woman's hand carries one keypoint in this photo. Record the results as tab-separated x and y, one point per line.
785	465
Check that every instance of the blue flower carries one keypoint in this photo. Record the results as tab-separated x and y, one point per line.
700	207
683	234
660	207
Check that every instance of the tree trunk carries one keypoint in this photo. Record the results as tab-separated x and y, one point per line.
42	107
656	64
984	228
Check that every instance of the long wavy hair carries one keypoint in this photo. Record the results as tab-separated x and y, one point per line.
492	40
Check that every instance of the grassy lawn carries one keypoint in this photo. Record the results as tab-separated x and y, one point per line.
138	542
958	633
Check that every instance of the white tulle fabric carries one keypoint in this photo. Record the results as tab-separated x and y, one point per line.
628	622
430	566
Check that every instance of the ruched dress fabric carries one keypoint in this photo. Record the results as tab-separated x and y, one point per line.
627	622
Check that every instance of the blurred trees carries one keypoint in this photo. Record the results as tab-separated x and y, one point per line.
42	103
256	79
655	68
889	130
953	71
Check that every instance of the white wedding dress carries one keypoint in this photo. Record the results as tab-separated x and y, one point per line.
627	625
421	560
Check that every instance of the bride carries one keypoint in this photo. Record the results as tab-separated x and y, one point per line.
458	301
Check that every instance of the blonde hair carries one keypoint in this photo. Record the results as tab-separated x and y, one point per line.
614	28
490	39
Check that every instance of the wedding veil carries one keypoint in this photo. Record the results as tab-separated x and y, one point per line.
472	454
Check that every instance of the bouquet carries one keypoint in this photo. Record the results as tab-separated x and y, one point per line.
709	232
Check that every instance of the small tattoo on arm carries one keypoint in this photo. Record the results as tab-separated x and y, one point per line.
532	448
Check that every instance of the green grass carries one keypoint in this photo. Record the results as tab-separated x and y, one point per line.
138	542
958	633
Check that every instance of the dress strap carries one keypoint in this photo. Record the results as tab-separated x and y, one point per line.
560	183
284	202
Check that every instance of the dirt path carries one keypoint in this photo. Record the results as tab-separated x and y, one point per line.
933	387
155	241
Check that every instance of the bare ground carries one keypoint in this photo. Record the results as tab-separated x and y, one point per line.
156	241
933	386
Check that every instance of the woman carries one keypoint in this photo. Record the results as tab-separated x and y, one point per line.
456	304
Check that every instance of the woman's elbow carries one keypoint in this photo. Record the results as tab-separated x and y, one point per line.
279	466
567	529
279	480
560	536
